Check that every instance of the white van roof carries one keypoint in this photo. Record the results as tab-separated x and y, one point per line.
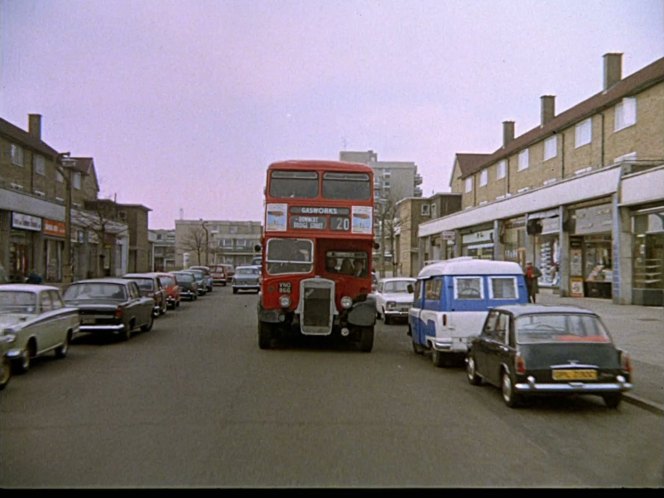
470	266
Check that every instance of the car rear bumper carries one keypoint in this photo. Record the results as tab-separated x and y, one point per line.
533	387
115	329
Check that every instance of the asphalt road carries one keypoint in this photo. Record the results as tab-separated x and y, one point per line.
195	403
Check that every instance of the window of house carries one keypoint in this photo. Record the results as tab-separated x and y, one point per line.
434	211
58	177
625	113
484	177
76	180
524	159
17	154
583	133
501	169
469	184
424	210
551	147
39	165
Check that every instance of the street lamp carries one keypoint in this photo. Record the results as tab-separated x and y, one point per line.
64	165
207	241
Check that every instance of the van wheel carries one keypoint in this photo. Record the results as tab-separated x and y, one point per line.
439	359
417	348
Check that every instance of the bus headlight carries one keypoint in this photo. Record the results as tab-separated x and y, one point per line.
284	301
390	305
346	302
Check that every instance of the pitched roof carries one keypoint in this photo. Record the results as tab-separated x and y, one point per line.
626	87
25	139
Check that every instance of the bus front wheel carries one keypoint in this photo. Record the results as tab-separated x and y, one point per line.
264	335
366	339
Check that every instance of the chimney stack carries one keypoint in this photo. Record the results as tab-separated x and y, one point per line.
612	69
548	108
34	125
508	132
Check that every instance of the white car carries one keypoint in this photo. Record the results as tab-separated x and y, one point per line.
35	320
392	298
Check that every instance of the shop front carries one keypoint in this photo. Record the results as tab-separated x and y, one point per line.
591	261
545	227
478	244
648	256
513	236
23	239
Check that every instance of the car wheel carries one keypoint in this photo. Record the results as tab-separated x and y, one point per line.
23	362
471	372
126	331
366	339
612	400
62	350
5	372
148	326
234	291
510	398
386	319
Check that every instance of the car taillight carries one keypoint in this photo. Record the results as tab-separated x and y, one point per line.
519	364
625	362
119	312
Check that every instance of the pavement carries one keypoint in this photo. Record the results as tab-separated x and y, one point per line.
638	330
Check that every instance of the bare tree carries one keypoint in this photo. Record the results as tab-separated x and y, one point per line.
385	210
194	241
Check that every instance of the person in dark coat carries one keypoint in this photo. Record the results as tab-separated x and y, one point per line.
532	274
33	278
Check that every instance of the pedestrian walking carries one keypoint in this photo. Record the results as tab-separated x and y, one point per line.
532	274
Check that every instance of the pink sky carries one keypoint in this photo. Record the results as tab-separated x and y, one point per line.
183	104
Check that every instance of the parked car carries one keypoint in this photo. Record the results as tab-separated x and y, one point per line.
221	274
246	278
200	280
111	306
35	320
207	276
172	289
393	299
151	286
531	350
5	362
187	283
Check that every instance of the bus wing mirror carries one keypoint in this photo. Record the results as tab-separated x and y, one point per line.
257	248
376	246
410	288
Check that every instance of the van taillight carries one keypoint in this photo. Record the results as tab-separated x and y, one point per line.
118	313
444	320
519	364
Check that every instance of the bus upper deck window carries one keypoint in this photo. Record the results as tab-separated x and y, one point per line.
347	186
294	184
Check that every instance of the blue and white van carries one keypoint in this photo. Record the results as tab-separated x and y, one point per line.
451	301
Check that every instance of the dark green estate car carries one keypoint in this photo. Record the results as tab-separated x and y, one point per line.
533	350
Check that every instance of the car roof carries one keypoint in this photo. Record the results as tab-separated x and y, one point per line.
532	309
26	287
392	279
106	280
146	274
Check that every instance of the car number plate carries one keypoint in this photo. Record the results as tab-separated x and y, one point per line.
87	320
574	374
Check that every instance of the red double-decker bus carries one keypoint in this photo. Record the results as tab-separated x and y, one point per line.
316	252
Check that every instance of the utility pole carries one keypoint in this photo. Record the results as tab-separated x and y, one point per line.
64	165
207	242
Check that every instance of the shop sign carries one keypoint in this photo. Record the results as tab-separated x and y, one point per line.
26	222
576	287
447	235
482	236
595	219
54	228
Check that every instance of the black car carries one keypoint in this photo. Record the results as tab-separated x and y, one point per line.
530	350
111	306
188	284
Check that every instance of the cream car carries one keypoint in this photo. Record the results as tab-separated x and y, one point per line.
393	299
35	320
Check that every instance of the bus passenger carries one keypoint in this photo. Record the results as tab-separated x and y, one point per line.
347	267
